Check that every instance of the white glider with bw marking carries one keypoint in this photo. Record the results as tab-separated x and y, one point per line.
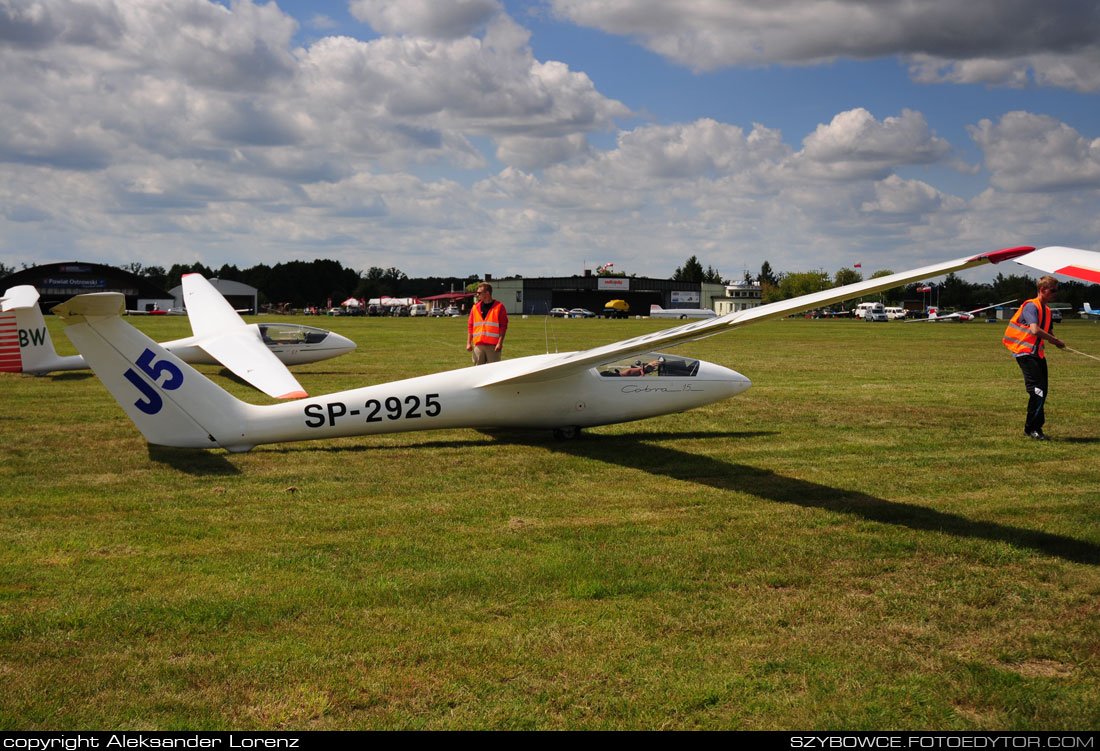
257	353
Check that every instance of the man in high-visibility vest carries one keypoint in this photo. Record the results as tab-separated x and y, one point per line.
1024	337
488	324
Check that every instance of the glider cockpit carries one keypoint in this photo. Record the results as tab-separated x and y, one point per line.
291	333
653	364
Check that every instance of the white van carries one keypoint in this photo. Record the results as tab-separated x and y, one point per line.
896	314
418	309
871	311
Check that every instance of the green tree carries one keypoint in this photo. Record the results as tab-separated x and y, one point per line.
691	271
846	276
802	283
767	276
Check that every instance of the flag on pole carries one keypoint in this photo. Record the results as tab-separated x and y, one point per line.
858	266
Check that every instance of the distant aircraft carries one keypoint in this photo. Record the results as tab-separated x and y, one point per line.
961	317
257	353
1088	311
656	311
174	405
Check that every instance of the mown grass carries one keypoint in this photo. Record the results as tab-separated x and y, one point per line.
862	540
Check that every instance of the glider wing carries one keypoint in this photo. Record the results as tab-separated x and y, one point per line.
1080	264
242	350
573	361
224	335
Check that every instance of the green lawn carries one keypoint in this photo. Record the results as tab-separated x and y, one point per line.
863	540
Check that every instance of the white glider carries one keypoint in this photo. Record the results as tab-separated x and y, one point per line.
257	353
174	405
962	317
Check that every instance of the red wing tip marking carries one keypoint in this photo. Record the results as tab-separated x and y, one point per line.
293	395
996	256
1079	272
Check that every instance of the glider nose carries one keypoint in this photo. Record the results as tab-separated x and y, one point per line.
739	382
732	382
340	345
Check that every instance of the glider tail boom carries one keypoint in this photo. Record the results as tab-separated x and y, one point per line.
171	403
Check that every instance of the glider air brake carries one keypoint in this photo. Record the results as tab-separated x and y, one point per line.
174	405
257	353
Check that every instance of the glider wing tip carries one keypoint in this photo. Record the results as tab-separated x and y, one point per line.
293	395
1005	254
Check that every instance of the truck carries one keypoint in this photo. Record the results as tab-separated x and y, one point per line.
616	309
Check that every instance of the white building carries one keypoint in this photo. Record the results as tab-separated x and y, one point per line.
739	296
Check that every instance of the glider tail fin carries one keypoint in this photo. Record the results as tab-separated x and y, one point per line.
1088	308
171	403
25	343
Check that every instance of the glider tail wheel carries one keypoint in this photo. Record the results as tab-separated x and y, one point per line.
567	433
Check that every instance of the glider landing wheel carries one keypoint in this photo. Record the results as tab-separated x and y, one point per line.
567	434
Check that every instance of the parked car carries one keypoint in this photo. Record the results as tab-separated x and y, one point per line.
875	313
452	312
559	313
435	313
581	313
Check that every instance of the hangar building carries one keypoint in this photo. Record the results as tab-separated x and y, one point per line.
538	296
57	282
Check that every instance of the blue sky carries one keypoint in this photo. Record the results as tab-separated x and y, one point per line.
542	136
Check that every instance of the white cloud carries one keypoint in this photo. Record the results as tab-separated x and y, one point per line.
436	19
855	144
909	198
1005	42
1036	153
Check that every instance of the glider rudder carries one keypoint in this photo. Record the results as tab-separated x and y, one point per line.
171	403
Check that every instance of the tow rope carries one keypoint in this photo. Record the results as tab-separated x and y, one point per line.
1078	352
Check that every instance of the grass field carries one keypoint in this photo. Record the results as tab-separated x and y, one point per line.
862	540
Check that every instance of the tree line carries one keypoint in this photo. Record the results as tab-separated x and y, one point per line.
302	283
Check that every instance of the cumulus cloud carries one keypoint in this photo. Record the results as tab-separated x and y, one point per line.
855	144
194	79
909	198
436	19
1006	42
1032	153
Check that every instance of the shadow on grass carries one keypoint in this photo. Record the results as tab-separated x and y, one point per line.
82	375
496	436
635	452
198	462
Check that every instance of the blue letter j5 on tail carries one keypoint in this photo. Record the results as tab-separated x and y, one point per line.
152	403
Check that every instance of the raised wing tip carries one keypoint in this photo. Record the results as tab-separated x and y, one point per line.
293	395
1005	254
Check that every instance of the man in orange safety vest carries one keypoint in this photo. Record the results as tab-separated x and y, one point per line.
1024	337
488	324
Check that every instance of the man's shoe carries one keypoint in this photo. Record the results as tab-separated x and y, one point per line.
1037	435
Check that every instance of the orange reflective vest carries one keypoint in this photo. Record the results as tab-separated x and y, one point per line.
489	329
1018	337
